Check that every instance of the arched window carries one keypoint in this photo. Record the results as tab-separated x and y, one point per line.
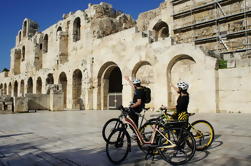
161	29
76	29
25	29
58	31
23	53
45	44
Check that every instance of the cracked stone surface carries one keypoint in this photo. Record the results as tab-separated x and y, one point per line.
73	138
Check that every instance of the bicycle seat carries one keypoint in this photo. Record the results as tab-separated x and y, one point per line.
191	114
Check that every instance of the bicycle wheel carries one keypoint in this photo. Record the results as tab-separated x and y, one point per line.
184	149
203	133
109	126
118	145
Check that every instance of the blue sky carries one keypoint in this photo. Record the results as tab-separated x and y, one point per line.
48	12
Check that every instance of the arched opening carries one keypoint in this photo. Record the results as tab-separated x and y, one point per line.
25	29
109	86
9	89
76	29
161	30
19	36
39	86
59	29
45	44
180	68
77	90
5	89
16	89
50	79
22	88
143	70
23	53
30	85
63	81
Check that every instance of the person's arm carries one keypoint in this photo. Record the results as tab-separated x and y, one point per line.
174	87
138	103
129	81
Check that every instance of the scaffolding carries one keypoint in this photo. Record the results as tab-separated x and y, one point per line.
222	39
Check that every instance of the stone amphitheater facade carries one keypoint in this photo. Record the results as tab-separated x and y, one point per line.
80	62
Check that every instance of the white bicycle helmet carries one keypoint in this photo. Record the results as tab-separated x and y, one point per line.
136	81
183	85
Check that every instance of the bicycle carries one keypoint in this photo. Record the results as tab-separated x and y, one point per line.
202	130
175	145
115	123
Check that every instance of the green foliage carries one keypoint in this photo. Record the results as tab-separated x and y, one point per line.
222	64
5	70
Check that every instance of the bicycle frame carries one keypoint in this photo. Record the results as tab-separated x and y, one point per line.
129	121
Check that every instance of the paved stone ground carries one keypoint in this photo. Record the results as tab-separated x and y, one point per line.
73	138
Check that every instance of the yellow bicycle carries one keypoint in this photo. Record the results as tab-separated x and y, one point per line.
202	130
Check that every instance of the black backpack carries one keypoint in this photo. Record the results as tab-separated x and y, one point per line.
147	94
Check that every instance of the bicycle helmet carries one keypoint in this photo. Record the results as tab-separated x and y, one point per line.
183	85
136	81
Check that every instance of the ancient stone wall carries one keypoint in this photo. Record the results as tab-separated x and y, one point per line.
86	55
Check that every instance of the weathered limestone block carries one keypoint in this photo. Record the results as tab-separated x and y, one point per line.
21	104
102	10
105	26
57	101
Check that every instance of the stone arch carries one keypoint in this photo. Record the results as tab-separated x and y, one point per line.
63	81
59	29
25	28
77	101
39	86
10	89
5	89
15	89
50	79
22	88
76	29
45	43
143	70
30	85
109	86
23	53
180	68
161	30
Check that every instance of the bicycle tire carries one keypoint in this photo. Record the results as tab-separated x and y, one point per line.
108	127
203	138
121	137
185	144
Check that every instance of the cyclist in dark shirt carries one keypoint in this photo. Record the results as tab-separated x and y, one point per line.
138	99
182	101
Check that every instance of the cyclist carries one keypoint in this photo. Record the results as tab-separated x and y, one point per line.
182	101
138	99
